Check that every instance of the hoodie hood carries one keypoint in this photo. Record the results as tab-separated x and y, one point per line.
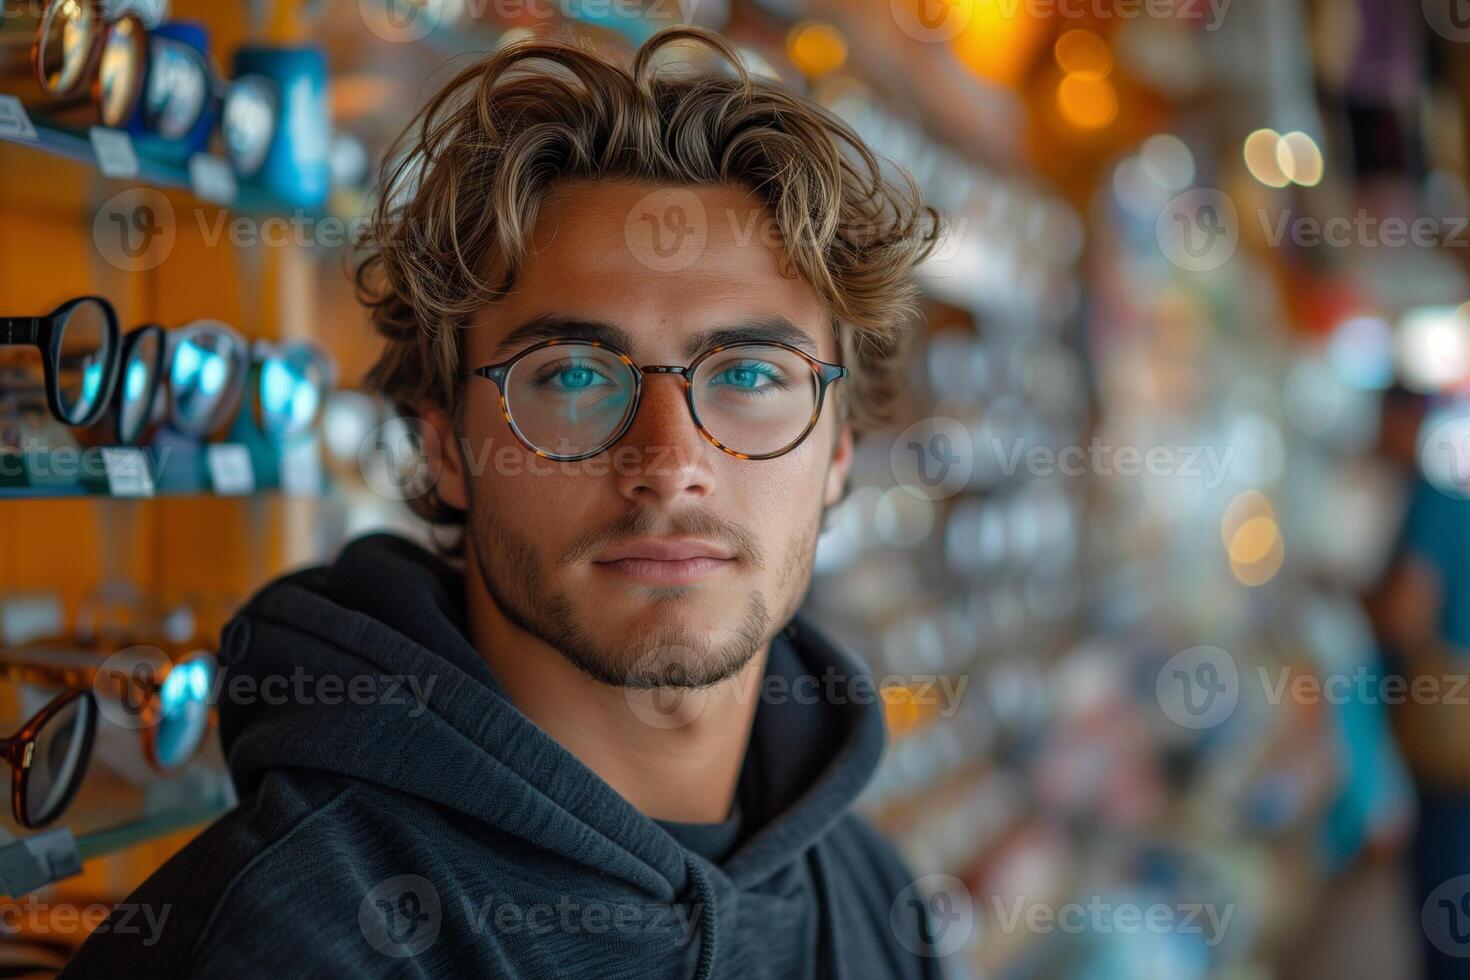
398	697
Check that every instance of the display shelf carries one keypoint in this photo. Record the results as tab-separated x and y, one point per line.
75	143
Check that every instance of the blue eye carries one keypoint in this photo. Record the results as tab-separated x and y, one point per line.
570	376
750	375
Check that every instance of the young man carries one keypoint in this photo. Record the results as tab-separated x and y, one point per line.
639	314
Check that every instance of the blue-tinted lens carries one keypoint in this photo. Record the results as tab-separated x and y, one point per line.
292	384
183	711
200	378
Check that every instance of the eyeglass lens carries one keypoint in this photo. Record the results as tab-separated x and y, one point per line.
571	399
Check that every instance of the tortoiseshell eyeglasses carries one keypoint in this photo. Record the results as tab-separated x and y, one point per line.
567	400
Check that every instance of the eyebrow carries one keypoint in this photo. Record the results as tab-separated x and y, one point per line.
551	326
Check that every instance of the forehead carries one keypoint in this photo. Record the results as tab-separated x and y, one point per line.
661	264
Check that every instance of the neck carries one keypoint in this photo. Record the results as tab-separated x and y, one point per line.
675	755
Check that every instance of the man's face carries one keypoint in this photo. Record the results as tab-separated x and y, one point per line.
544	535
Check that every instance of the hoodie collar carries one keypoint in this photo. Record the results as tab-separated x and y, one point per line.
389	608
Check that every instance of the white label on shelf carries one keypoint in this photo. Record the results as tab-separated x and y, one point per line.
127	471
115	154
212	179
14	122
301	468
229	469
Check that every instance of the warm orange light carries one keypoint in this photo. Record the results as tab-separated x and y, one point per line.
1087	102
999	41
816	48
1263	156
1081	52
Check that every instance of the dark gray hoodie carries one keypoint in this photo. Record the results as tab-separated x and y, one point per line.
402	818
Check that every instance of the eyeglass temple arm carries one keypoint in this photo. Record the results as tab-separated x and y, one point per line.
20	329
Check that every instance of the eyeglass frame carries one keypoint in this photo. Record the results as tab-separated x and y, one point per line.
824	372
33	671
19	750
44	332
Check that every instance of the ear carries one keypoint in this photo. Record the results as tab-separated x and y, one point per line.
442	455
839	466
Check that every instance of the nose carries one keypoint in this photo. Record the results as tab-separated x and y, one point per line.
663	456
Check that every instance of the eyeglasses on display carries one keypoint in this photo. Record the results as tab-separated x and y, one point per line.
80	45
79	348
48	757
568	400
182	93
170	697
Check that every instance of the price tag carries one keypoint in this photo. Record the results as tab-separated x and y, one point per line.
229	469
14	122
301	469
212	179
115	154
127	469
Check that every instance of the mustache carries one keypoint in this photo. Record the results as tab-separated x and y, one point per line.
646	523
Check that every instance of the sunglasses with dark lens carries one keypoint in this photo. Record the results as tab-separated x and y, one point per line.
48	757
79	348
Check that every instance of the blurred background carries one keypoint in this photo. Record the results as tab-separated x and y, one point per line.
1163	565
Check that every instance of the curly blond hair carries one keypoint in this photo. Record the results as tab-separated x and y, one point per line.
454	212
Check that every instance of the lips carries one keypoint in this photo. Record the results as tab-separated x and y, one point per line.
666	549
666	561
